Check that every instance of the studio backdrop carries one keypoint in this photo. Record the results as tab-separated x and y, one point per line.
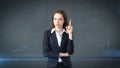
96	25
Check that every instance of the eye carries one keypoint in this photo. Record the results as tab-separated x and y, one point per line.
60	19
54	18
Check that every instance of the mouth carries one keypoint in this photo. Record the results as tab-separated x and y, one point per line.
57	25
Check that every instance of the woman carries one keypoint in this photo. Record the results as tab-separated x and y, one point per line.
58	42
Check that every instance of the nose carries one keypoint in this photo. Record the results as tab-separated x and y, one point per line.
57	21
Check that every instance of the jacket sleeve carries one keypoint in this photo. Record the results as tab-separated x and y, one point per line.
47	52
70	47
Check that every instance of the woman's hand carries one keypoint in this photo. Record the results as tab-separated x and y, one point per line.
69	30
64	54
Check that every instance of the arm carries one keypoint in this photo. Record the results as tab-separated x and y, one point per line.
70	47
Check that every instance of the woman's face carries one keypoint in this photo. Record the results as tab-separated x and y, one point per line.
58	20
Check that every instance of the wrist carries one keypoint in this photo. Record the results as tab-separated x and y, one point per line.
70	36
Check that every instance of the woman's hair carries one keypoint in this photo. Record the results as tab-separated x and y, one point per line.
64	16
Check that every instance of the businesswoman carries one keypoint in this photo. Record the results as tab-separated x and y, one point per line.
58	42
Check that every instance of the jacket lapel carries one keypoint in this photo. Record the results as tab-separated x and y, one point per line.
54	38
63	39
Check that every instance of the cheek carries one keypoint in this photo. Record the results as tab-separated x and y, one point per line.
54	21
62	22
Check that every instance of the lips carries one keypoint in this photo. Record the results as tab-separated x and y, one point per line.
56	24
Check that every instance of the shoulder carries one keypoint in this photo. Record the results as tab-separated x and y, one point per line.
47	32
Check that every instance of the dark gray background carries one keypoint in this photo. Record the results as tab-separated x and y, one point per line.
96	32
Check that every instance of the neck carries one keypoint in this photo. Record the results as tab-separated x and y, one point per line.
59	30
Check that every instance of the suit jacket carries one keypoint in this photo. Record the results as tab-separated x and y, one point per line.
51	48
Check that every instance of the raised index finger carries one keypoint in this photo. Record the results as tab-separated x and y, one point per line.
70	22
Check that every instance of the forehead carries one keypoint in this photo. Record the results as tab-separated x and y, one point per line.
58	15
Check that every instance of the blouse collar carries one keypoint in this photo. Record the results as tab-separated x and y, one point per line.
53	29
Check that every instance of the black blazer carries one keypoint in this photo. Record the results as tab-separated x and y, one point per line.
51	49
